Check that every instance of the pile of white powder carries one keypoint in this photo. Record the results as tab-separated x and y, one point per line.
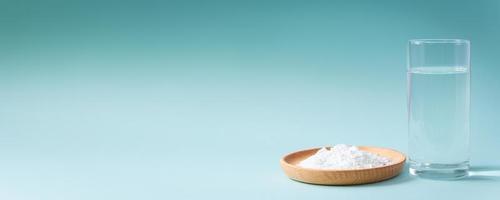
344	156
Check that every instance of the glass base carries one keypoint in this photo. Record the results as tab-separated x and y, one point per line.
439	171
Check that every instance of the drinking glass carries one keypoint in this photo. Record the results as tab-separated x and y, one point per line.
438	107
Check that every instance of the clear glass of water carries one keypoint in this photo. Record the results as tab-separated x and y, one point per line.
438	107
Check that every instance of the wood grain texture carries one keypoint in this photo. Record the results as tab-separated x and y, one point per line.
289	163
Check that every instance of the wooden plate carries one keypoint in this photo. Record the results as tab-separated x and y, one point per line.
290	162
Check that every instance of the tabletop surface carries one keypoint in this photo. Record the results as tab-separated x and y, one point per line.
201	99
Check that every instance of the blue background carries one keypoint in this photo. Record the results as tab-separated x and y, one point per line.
200	99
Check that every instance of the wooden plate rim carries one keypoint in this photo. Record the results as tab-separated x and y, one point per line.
284	162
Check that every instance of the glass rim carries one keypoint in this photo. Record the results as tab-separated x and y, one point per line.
439	41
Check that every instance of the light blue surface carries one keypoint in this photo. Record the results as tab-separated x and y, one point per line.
200	99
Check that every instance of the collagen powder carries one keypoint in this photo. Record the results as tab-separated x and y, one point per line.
344	156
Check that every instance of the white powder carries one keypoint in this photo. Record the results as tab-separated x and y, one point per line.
344	156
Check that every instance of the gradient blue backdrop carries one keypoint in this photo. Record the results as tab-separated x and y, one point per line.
200	99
